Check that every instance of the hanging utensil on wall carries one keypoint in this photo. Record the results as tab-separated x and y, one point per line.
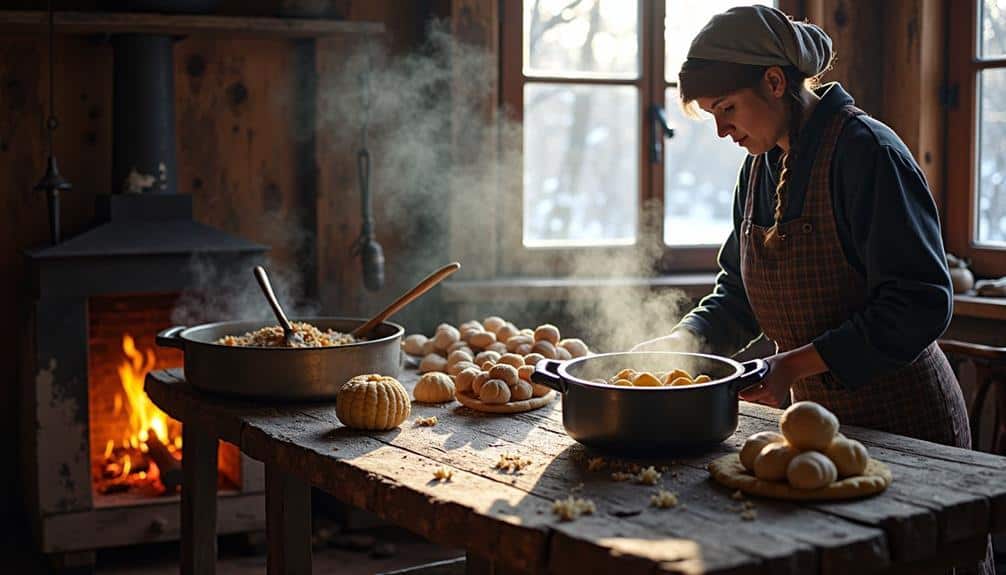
366	246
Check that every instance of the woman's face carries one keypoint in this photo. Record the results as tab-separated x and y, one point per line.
754	119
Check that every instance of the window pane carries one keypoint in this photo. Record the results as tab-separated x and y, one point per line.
682	21
991	212
597	38
581	164
700	172
992	35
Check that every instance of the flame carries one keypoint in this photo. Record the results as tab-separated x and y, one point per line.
143	414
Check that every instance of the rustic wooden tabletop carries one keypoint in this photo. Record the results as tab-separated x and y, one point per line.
939	510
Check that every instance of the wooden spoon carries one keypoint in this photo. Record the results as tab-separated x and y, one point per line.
423	286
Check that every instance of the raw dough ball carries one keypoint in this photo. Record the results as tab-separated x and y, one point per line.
808	425
493	323
428	348
432	362
516	341
485	356
575	346
507	331
563	354
468	332
524	349
458	367
479	381
547	332
495	391
463	381
544	347
524	372
487	365
504	372
521	391
459	355
538	390
372	401
499	347
413	344
445	336
512	359
533	358
460	344
482	340
810	470
754	444
772	460
471	324
434	387
848	455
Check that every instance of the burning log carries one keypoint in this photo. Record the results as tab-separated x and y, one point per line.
170	468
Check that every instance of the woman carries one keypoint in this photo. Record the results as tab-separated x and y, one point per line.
836	252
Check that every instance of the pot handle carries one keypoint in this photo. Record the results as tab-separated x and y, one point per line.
755	370
546	372
169	337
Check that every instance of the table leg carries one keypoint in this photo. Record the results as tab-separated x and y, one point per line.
199	501
288	523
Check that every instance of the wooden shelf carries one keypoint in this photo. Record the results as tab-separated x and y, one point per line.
980	307
186	24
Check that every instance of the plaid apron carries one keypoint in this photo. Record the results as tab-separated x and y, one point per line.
803	286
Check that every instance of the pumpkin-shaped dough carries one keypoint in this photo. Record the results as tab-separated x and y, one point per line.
458	367
445	336
810	470
521	391
479	381
495	391
808	426
754	444
512	359
372	401
482	340
772	460
413	344
848	455
493	323
507	373
506	332
463	381
434	387
432	362
547	332
575	346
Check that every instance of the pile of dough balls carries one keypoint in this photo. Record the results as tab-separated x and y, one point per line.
632	378
454	349
809	453
501	379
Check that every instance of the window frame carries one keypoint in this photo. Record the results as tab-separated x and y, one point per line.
962	142
516	259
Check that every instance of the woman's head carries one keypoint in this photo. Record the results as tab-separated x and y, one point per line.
748	67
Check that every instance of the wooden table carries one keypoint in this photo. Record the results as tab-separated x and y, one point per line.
939	511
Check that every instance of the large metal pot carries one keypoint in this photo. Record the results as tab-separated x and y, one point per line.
282	372
685	418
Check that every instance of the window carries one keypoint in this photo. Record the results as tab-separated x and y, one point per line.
976	169
588	80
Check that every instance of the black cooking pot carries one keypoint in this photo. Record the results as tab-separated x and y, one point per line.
682	418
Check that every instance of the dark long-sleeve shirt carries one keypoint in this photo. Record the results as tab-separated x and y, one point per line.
890	233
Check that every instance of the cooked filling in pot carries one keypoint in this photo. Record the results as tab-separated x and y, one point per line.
272	336
632	378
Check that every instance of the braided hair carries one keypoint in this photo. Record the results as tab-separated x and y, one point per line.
795	81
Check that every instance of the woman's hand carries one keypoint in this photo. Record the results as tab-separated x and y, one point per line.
784	369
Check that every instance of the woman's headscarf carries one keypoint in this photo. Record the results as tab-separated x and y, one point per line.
762	36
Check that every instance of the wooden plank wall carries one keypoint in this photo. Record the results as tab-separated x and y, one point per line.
239	149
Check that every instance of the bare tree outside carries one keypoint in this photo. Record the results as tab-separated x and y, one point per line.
991	208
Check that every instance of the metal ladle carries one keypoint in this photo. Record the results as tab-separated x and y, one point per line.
293	339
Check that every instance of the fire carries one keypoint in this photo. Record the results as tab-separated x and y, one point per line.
129	461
